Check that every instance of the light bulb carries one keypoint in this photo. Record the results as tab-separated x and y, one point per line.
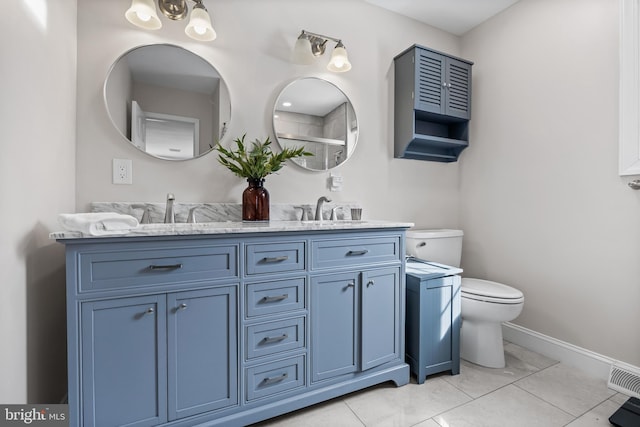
142	13
199	26
143	16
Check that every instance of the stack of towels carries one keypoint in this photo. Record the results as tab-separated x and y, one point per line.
98	223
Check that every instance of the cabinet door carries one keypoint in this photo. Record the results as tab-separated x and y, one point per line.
202	347
381	326
334	325
124	362
458	91
430	89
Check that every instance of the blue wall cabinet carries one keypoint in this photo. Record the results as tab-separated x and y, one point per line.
230	329
433	325
432	105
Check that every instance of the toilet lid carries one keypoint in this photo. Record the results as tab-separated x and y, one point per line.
486	290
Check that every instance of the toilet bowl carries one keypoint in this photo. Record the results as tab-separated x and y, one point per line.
485	304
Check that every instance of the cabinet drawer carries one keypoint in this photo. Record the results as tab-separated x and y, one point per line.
275	297
348	252
275	337
127	268
275	257
276	377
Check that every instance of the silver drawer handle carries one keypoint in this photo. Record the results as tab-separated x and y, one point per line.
269	340
354	253
182	306
165	267
275	259
271	380
275	299
149	310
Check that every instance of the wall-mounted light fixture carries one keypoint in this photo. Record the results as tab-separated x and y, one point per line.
142	13
309	46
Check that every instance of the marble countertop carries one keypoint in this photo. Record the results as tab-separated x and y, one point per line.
230	227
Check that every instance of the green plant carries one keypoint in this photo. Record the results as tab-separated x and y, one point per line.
256	161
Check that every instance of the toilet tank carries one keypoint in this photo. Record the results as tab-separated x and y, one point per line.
438	245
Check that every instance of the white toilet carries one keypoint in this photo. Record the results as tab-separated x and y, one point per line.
485	304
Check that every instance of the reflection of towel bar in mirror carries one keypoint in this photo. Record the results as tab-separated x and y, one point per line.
304	138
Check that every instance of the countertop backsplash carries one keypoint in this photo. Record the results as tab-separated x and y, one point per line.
221	212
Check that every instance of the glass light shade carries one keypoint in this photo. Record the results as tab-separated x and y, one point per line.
142	13
199	26
339	62
302	52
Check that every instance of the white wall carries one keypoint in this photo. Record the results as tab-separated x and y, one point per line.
37	176
252	52
543	207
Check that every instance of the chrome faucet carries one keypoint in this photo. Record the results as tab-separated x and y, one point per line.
146	212
169	214
319	205
191	218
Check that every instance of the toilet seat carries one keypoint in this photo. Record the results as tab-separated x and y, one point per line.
488	291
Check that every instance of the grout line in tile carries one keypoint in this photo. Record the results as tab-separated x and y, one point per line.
549	403
354	412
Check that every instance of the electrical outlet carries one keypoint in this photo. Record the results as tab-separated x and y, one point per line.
122	171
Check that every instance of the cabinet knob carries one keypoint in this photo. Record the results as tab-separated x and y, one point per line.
444	84
182	306
149	310
370	283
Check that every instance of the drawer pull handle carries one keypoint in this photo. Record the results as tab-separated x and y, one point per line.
355	253
370	283
269	340
149	310
271	380
275	259
165	267
276	298
182	306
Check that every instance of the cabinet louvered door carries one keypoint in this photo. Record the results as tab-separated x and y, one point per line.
458	81
430	90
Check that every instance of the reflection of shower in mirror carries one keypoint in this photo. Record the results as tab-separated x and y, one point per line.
315	114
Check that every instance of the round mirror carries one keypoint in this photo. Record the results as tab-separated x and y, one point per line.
167	101
316	114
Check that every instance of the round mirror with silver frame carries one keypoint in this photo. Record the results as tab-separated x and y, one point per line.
316	114
167	101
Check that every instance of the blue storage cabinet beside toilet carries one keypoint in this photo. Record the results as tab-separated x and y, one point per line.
432	323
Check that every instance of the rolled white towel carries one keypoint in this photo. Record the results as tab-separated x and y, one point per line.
98	223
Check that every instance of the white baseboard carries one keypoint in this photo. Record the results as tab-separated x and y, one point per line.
588	361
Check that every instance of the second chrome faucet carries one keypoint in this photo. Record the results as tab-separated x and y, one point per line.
319	206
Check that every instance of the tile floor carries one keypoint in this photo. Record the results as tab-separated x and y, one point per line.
532	390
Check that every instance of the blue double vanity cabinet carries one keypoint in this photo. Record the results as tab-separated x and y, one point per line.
204	324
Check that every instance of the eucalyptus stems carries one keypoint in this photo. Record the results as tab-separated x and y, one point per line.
256	160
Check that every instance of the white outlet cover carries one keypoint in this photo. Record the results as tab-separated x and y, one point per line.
122	171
